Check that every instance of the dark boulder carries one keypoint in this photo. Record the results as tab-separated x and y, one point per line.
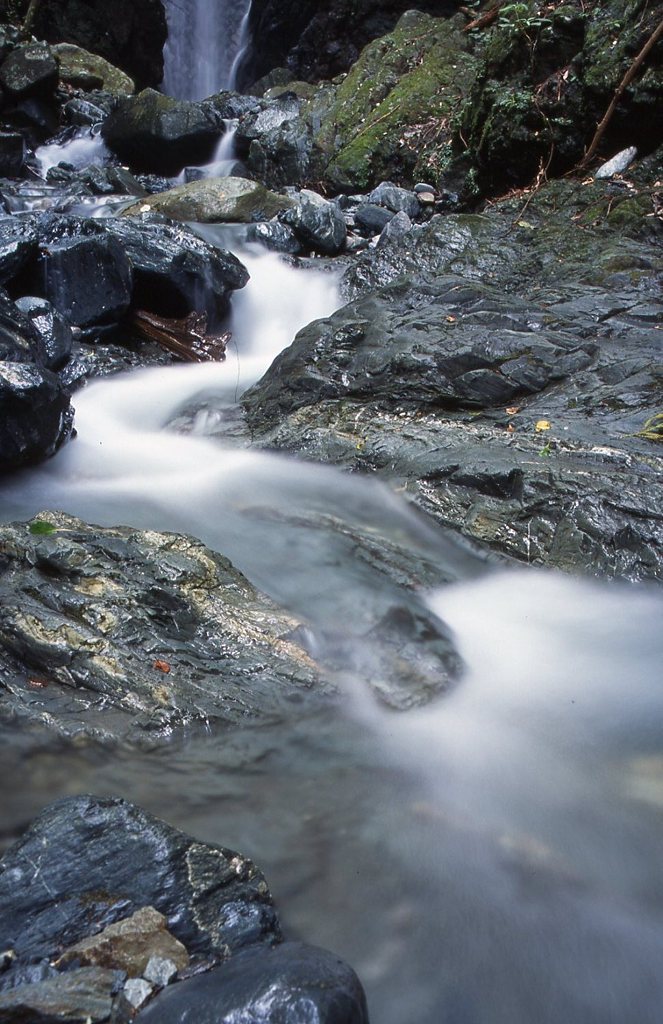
54	335
18	337
36	416
129	33
289	984
317	223
98	861
154	133
12	154
88	280
29	70
370	219
175	271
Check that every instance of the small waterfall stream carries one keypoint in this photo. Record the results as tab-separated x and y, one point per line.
206	43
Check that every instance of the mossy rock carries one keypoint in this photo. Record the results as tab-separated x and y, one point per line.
393	112
87	70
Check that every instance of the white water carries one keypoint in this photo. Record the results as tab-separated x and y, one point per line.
206	42
86	149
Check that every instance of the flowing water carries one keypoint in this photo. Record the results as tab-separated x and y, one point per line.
206	43
490	858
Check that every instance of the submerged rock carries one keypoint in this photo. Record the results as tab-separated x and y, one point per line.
156	630
290	983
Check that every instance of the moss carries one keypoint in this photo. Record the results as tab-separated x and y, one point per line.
401	95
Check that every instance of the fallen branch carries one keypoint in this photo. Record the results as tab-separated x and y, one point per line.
187	338
619	91
487	18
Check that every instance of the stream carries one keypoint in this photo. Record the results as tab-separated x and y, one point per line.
492	857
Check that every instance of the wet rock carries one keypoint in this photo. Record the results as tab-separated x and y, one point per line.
216	200
88	109
154	629
395	231
317	223
36	414
85	70
398	200
154	133
129	945
87	863
12	154
289	983
131	37
275	236
174	271
405	347
18	244
18	338
80	997
88	280
370	218
29	71
55	340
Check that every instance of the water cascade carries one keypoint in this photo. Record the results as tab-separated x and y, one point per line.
206	42
516	823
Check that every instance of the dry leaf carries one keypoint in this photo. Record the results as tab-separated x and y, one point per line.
542	425
511	410
162	666
37	684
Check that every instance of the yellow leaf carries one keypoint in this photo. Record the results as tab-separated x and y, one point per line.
542	425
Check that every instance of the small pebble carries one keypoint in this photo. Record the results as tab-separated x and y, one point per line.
160	971
137	992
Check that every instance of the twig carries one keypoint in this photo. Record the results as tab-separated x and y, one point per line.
625	82
487	18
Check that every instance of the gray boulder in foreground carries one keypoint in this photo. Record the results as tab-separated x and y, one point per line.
119	633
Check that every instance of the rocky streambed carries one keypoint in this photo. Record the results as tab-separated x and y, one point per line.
360	678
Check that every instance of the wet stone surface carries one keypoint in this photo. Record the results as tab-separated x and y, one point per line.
121	633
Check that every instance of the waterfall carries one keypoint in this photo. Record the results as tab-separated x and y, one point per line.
206	42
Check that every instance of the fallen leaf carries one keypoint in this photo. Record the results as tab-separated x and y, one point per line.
451	319
511	410
41	527
542	425
162	666
510	428
37	684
